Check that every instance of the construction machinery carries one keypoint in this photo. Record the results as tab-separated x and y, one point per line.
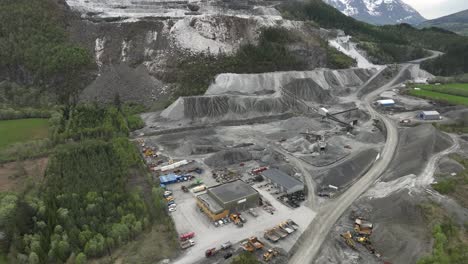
292	224
272	236
363	227
256	243
247	246
348	237
237	221
280	231
286	227
267	256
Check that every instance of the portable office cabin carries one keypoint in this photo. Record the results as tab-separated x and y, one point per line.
386	102
429	115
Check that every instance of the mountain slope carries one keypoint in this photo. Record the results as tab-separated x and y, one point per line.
457	23
379	12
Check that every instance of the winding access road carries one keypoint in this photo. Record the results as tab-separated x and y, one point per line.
311	240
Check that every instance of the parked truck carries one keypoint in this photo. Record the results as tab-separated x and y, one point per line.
259	170
252	212
187	243
186	236
280	232
272	236
210	252
198	189
292	224
226	245
286	227
247	246
256	243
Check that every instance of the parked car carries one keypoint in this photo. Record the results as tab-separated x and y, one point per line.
228	255
215	223
172	205
172	209
225	221
220	222
170	202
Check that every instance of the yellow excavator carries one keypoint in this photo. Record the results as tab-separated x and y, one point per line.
348	237
267	256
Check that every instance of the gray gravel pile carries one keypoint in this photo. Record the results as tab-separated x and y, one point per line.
228	157
350	170
415	147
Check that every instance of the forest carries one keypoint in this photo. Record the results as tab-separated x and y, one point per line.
85	208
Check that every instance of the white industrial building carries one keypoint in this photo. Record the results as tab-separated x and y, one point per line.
429	115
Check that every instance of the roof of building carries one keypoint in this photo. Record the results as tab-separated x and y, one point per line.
430	113
168	178
232	191
282	178
209	202
386	101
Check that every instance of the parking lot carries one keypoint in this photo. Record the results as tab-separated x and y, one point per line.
188	218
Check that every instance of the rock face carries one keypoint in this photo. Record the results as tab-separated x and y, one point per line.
378	12
144	39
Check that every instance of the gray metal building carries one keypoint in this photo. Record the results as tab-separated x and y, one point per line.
429	115
235	195
283	181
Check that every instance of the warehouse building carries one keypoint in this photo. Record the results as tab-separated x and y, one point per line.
220	200
283	181
429	115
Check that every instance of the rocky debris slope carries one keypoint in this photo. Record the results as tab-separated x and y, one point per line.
240	96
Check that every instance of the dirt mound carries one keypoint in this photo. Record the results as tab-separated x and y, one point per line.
308	90
448	166
415	148
228	157
131	84
350	170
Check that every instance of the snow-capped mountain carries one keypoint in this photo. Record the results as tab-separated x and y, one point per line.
378	11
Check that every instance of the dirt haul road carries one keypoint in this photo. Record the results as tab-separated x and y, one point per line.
309	244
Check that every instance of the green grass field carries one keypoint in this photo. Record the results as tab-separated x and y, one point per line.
455	93
20	130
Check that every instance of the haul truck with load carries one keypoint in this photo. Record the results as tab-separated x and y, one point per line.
272	236
256	243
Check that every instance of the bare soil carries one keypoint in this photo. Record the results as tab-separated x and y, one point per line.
14	176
